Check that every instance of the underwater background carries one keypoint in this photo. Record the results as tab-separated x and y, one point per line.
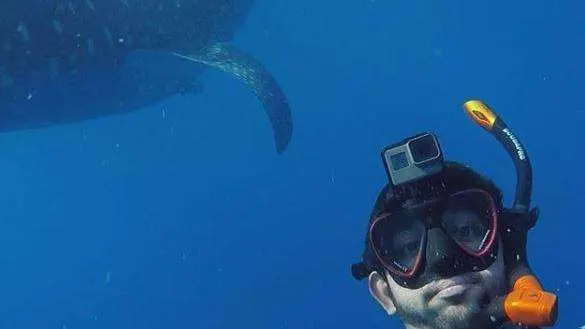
181	215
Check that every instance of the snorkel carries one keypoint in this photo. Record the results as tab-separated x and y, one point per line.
527	303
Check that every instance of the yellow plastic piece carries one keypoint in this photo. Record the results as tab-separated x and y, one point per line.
480	113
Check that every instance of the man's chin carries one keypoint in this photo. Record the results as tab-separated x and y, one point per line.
455	317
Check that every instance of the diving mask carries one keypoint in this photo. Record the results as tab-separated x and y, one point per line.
467	219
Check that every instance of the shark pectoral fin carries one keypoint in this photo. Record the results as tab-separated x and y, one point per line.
229	59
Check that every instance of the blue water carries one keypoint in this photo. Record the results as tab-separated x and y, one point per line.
181	215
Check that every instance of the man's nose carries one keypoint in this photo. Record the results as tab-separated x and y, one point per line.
443	256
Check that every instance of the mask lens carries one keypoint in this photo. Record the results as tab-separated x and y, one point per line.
397	240
469	218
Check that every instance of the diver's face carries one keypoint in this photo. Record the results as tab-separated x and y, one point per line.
450	303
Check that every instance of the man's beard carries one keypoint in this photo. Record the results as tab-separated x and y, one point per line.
459	316
467	314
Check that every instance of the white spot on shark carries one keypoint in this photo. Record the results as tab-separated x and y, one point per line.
108	36
23	30
57	26
90	5
71	8
90	46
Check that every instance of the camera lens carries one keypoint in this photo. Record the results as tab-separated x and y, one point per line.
423	148
399	161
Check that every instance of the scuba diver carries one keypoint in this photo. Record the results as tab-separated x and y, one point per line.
441	249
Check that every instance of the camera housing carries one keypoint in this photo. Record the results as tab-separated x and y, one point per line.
413	158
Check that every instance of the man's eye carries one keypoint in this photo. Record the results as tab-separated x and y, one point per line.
409	248
466	232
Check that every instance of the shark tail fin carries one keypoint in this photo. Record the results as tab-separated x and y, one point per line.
227	58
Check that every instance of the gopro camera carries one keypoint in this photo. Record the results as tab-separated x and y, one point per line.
413	158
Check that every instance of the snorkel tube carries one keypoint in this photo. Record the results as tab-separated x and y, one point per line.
527	303
486	118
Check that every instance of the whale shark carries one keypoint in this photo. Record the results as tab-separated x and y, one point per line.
67	61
